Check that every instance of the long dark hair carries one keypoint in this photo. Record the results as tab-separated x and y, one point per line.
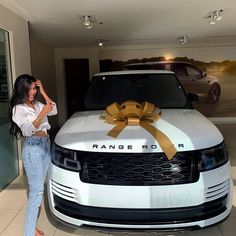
19	96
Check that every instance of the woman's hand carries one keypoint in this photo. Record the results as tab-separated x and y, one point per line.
42	91
48	107
39	84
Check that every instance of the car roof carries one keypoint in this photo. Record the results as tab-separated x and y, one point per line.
130	72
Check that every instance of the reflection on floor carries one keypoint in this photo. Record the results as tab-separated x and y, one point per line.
13	203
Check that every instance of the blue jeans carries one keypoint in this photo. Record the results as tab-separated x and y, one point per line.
36	158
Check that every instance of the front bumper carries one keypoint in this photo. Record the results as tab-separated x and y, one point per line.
204	203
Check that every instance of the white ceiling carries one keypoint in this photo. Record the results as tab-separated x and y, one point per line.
128	22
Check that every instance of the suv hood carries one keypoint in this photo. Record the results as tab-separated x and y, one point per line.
187	129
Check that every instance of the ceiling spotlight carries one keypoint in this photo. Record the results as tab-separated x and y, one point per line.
214	16
183	39
101	42
219	15
88	21
212	19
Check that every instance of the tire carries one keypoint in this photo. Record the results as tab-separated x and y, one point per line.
214	92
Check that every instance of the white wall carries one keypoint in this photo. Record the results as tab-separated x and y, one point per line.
70	53
203	53
43	68
19	41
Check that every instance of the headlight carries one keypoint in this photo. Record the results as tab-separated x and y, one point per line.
65	158
213	157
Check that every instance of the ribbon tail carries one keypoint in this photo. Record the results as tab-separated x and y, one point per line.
117	130
164	142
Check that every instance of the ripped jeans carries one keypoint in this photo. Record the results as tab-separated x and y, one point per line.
36	158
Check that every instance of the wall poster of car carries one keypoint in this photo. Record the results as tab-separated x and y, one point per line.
213	82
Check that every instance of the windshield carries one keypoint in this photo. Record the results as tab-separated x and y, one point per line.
163	90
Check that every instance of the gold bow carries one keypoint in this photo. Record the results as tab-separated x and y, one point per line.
134	113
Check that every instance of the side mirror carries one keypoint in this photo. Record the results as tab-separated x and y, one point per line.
193	97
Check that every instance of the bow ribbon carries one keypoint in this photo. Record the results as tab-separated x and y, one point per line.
134	113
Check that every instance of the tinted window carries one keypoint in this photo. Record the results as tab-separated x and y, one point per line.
179	69
192	71
159	66
163	90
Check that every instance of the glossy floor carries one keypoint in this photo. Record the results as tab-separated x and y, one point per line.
13	201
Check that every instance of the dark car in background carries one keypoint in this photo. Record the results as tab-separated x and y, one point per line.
193	79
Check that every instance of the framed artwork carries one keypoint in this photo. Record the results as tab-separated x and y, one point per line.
214	82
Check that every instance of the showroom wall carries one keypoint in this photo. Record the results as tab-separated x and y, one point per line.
19	39
43	68
198	52
70	53
225	51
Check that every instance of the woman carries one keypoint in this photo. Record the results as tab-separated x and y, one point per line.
29	119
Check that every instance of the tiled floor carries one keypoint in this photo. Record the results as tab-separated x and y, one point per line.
13	202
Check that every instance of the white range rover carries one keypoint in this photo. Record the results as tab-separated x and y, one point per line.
127	181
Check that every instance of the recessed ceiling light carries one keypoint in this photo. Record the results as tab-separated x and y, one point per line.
101	42
214	16
183	39
88	21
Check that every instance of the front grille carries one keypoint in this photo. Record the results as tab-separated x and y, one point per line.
138	168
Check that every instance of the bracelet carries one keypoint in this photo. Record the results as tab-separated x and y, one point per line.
38	119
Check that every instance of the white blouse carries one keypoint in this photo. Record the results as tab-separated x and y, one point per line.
24	115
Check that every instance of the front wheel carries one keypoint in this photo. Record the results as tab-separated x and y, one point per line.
213	96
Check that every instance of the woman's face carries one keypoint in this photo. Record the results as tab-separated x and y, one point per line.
32	92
